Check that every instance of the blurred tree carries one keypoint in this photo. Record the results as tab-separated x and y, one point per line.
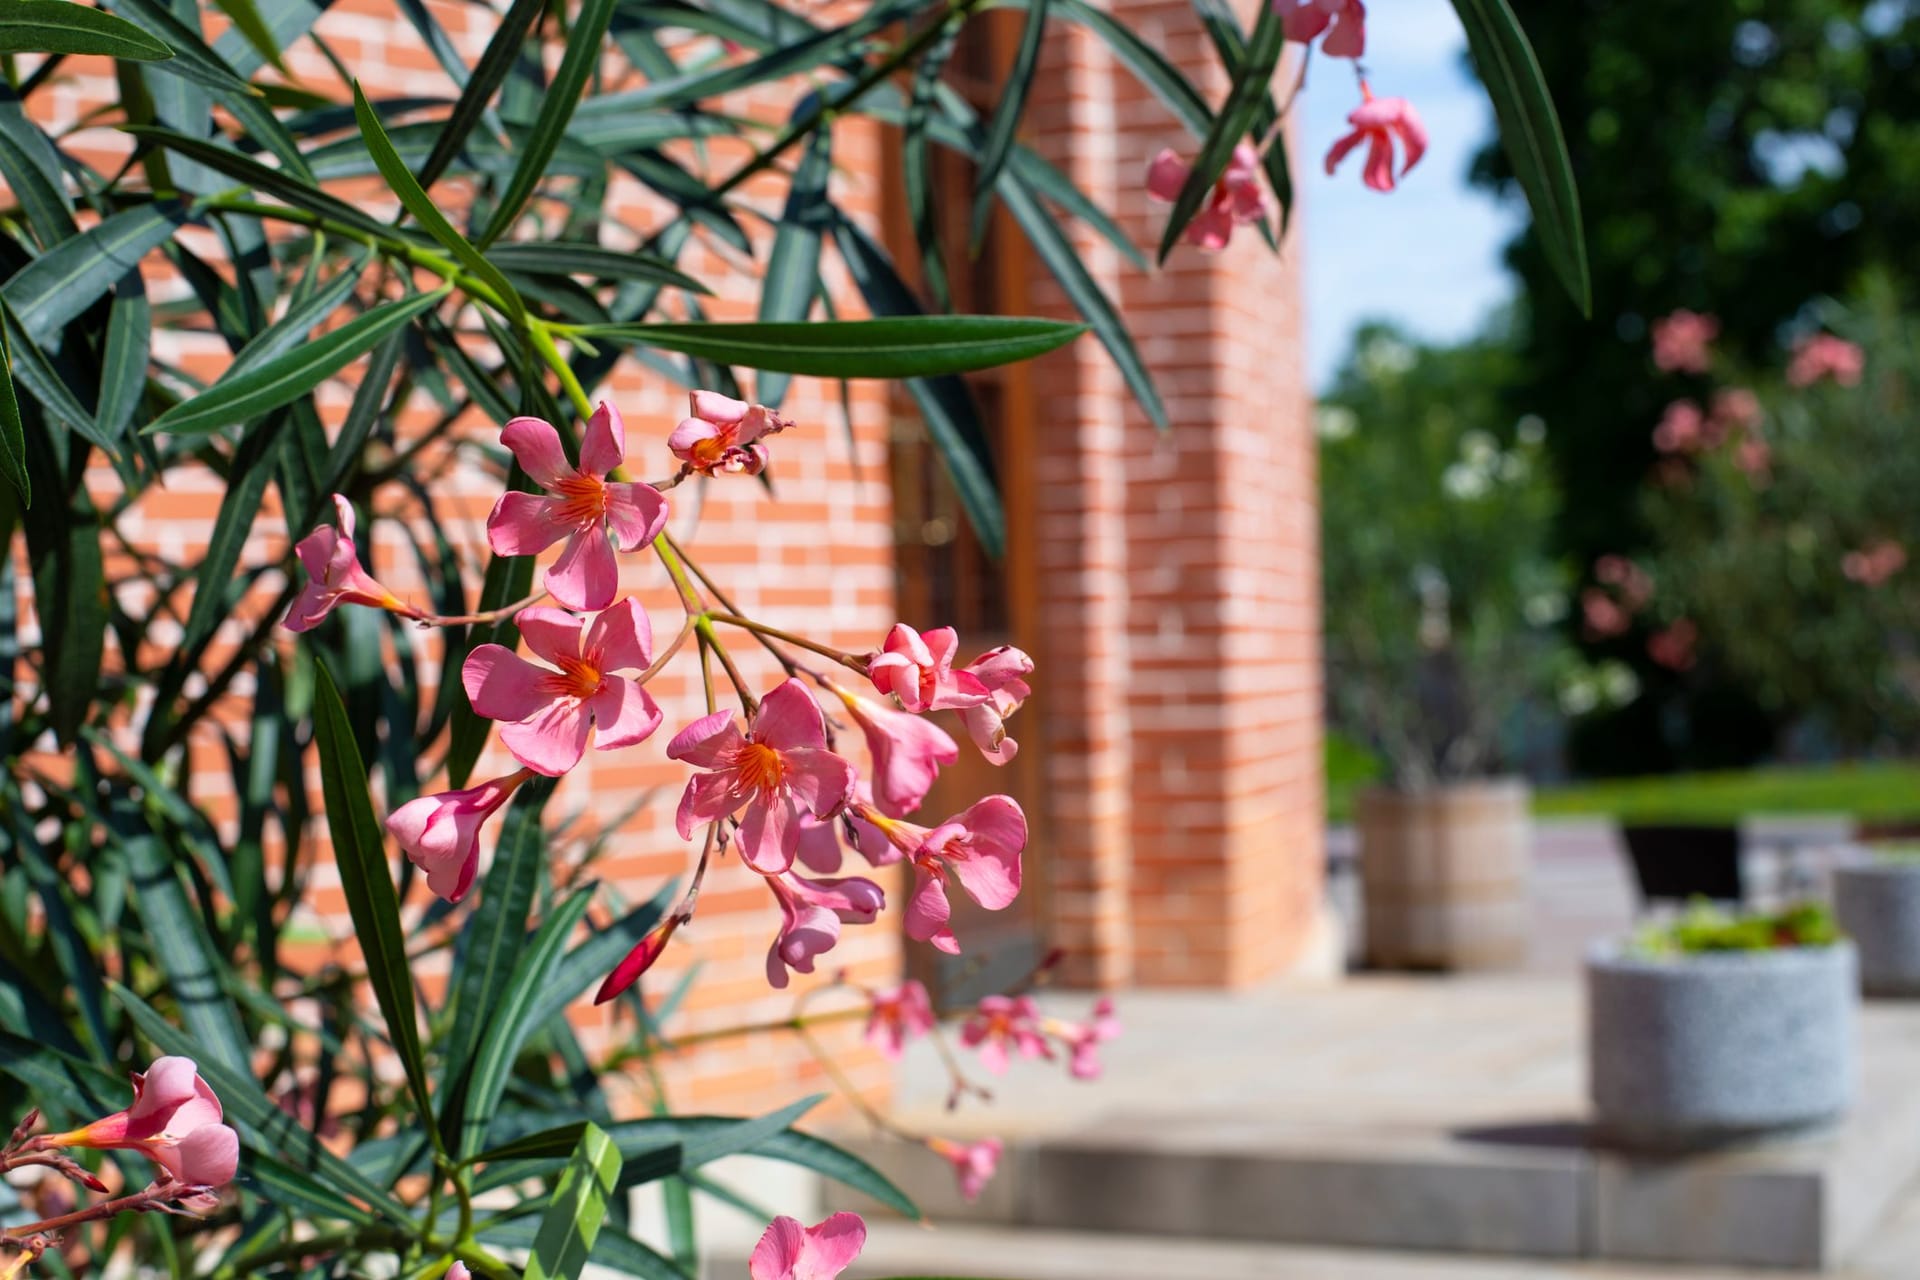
1737	157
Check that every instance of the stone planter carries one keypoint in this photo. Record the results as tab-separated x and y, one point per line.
1698	1050
1877	902
1444	875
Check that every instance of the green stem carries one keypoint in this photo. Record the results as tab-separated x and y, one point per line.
847	660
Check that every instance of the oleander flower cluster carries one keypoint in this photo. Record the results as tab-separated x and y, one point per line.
770	781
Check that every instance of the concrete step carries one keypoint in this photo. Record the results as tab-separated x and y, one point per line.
987	1253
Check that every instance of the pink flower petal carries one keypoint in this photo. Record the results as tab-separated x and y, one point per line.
1348	38
636	513
789	718
1339	150
603	446
719	409
525	524
819	779
708	796
778	1252
208	1156
624	714
1166	175
552	634
536	445
1378	173
552	740
707	741
928	913
586	576
620	639
835	1243
502	685
769	834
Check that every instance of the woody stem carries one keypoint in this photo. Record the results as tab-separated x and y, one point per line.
846	660
491	615
95	1212
704	625
713	589
666	655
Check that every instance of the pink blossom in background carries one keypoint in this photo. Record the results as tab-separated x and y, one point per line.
175	1121
1633	582
458	1271
1736	409
1001	1026
1304	20
819	849
1683	341
775	769
1873	564
1673	647
1084	1040
1825	356
1237	199
918	670
1754	456
980	847
790	1251
1380	123
1003	673
441	833
334	575
722	435
579	504
1603	616
974	1163
1682	429
897	1016
546	712
812	912
907	752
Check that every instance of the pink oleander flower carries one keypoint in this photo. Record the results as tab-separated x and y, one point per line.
918	670
779	766
334	575
1736	409
906	751
1304	20
1633	582
1673	647
1873	564
639	959
547	711
973	1163
1003	671
812	912
1238	199
1003	1023
1084	1040
789	1251
579	504
458	1271
722	435
819	850
1378	122
1682	428
441	833
1754	456
897	1016
1683	341
981	847
174	1121
1603	615
1825	356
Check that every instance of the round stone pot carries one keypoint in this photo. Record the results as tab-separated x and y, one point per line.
1700	1050
1443	875
1877	902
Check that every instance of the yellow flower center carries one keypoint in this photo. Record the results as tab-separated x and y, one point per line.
760	766
583	499
576	678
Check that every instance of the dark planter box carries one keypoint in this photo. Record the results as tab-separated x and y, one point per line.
1679	861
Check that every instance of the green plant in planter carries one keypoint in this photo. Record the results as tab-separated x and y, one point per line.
1707	927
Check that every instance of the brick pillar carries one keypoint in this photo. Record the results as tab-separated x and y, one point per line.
1180	570
1080	527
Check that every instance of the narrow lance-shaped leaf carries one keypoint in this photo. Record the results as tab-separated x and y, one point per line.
421	206
509	38
292	374
359	849
572	1221
899	347
793	265
1530	131
1231	44
1231	126
55	26
916	164
57	286
13	436
1006	117
556	108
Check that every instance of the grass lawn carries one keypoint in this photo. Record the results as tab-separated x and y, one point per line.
1879	791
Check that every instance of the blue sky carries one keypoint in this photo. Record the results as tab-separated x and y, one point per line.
1428	255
